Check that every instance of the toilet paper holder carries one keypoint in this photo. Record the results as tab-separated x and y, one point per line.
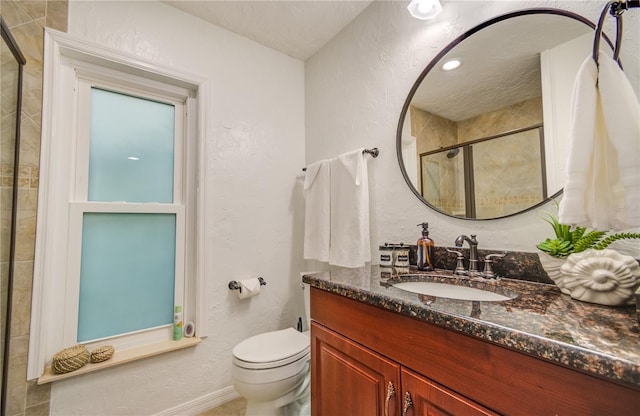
234	285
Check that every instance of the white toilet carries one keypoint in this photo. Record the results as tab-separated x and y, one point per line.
271	371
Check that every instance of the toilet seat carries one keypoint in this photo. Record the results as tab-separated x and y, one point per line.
272	349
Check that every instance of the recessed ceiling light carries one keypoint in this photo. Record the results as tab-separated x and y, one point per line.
424	9
451	64
133	158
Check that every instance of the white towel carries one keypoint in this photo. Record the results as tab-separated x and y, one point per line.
621	111
317	190
350	243
602	189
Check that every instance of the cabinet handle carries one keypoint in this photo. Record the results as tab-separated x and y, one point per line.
391	391
407	403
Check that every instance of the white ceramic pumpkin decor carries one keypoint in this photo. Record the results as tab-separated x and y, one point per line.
605	277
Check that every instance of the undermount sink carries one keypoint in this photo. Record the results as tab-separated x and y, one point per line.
445	290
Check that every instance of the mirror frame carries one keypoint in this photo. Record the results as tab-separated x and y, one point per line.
434	62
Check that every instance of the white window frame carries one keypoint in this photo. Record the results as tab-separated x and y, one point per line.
72	67
79	204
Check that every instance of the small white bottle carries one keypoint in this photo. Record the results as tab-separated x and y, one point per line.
177	323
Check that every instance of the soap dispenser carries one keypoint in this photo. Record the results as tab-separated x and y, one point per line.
425	249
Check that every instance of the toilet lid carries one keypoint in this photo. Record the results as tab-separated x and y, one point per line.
276	348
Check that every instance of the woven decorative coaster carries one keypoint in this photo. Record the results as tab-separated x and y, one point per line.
70	359
101	354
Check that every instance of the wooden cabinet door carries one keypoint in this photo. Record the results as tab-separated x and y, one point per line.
348	379
423	397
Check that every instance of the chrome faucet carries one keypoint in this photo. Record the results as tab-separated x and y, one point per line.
473	252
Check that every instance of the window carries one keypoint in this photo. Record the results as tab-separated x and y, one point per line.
117	244
126	214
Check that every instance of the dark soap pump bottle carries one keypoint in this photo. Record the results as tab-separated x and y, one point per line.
425	249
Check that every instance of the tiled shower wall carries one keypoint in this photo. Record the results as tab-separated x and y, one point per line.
26	21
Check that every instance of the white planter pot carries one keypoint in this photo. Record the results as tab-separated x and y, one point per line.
605	277
552	265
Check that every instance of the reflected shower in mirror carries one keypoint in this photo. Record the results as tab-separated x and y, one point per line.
514	75
463	183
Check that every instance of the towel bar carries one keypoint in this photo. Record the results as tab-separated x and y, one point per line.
373	152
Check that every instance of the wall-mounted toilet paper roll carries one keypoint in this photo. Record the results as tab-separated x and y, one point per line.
249	288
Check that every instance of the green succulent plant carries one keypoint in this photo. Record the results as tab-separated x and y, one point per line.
571	240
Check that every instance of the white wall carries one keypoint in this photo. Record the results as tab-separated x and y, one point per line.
356	86
255	139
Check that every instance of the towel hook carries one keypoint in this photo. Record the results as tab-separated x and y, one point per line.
615	8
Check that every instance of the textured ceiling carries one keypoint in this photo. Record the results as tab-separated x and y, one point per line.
296	28
501	64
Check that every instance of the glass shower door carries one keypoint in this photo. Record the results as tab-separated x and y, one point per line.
11	62
508	174
443	181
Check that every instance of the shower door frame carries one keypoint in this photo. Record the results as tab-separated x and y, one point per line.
17	54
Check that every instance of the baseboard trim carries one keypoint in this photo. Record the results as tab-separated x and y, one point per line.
202	403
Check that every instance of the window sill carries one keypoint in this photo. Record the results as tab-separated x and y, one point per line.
121	357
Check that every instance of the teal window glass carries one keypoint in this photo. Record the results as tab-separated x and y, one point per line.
127	273
131	149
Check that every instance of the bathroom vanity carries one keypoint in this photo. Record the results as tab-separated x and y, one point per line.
380	350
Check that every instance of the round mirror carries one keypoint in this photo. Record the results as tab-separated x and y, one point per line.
483	133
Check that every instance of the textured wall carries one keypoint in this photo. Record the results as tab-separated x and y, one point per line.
255	137
356	86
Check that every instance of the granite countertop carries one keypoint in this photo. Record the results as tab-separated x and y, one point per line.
540	321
